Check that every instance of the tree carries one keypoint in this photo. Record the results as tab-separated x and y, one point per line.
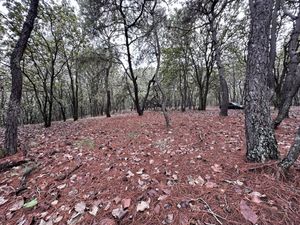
293	153
13	112
260	136
291	81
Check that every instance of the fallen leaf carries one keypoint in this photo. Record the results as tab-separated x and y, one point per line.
162	197
80	207
129	174
31	203
94	210
62	186
43	222
248	213
17	205
169	219
119	213
140	172
74	218
3	200
256	197
54	202
117	200
58	219
126	203
142	206
157	209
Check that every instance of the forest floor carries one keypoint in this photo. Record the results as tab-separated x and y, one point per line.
132	170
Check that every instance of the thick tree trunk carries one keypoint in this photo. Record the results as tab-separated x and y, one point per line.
291	83
260	136
293	153
13	113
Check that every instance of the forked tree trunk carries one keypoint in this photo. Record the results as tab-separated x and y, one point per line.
260	136
14	108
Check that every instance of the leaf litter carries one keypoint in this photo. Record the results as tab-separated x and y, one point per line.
93	172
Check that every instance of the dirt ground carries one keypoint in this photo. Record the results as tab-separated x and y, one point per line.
132	170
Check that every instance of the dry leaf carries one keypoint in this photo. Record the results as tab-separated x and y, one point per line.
126	203
119	213
256	197
17	205
2	200
80	207
142	206
94	210
248	213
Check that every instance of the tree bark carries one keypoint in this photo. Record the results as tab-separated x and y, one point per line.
291	83
293	153
224	96
13	112
260	136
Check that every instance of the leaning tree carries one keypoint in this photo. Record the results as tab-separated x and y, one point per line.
13	112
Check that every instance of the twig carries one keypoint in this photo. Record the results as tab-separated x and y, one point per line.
64	176
212	212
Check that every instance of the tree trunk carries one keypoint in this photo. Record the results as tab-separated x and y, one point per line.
13	112
108	101
260	136
293	153
224	96
292	79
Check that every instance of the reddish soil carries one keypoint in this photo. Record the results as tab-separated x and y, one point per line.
98	164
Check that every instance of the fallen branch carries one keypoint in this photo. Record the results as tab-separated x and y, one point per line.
209	210
8	165
64	176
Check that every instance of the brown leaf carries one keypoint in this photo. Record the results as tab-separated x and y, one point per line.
248	213
126	203
17	205
157	209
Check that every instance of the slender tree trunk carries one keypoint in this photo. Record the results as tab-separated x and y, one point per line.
260	136
291	83
13	112
293	153
2	117
224	96
108	101
272	54
75	100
